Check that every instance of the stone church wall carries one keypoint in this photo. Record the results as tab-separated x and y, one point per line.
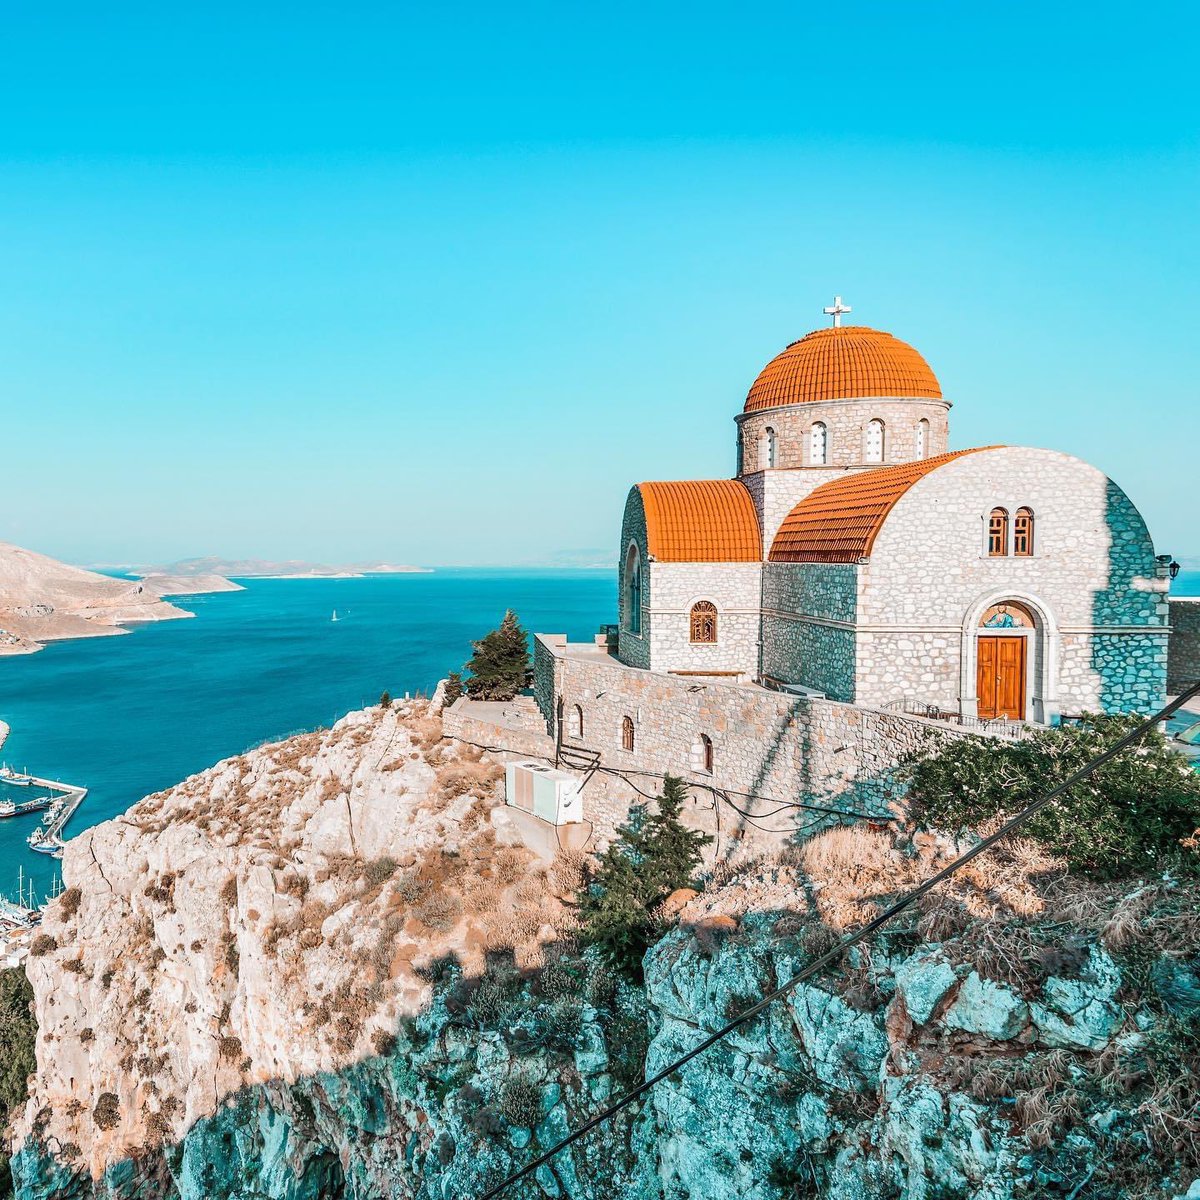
1091	583
808	613
634	648
735	589
1183	665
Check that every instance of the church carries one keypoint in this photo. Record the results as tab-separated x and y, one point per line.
790	634
855	556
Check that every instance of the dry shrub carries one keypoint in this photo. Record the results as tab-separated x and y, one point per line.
426	732
68	902
230	1047
332	787
465	776
510	863
482	895
439	911
567	872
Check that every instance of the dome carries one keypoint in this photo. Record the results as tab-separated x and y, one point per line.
847	362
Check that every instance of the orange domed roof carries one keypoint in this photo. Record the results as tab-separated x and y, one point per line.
843	363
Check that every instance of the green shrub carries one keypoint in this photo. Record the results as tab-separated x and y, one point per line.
521	1103
1127	818
651	856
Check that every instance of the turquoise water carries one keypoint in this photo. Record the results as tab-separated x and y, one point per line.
126	716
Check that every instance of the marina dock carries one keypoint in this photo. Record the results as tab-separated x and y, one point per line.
59	802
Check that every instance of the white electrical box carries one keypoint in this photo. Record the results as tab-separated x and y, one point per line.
550	795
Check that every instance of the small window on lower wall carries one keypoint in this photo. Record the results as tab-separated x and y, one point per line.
706	752
627	733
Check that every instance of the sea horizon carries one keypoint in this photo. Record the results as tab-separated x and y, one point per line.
131	715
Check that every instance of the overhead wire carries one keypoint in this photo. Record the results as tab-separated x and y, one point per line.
856	937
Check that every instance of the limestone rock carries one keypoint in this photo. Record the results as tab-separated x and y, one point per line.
987	1008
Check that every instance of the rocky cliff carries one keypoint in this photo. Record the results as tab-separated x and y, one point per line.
328	969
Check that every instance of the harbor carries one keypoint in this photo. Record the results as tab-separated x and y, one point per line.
56	800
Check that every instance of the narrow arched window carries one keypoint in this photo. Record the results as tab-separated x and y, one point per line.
577	721
633	589
818	445
1023	533
741	451
997	545
706	751
627	733
704	621
922	439
873	442
770	448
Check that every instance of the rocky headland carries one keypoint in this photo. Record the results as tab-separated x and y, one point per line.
330	967
44	600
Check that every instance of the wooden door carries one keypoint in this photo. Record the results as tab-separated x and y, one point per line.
1000	683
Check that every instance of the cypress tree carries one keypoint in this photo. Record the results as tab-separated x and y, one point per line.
500	663
651	856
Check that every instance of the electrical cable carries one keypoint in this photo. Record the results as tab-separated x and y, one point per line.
853	939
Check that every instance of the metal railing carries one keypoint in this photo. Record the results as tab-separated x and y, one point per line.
999	727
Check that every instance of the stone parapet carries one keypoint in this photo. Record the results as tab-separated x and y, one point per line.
1183	661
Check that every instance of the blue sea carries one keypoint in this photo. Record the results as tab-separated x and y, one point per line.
127	716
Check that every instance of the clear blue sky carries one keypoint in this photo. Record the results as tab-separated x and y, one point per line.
350	281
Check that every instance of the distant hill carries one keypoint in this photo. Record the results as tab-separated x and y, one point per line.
249	568
44	600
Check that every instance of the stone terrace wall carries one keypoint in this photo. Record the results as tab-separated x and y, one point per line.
1183	663
770	745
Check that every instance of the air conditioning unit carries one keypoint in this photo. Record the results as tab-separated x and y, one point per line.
799	689
550	795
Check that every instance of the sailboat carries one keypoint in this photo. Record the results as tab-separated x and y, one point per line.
335	617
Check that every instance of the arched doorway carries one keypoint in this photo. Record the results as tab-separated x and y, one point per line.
1003	656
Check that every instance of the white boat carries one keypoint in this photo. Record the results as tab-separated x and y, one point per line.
335	617
7	808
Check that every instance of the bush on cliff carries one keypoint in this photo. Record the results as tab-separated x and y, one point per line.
18	1032
500	665
651	856
1128	817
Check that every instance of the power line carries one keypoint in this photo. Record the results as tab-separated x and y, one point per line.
853	939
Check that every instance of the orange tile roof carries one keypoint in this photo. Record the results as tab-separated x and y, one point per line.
843	363
840	520
709	520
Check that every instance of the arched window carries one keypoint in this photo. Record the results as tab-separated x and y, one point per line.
706	752
818	445
922	440
577	721
1023	533
873	442
627	733
633	589
997	544
704	621
769	448
741	451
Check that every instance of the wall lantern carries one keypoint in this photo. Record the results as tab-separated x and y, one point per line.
1168	568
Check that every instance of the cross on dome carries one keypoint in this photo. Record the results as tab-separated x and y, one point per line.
835	311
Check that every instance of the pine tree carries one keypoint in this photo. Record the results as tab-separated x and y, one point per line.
500	663
652	855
